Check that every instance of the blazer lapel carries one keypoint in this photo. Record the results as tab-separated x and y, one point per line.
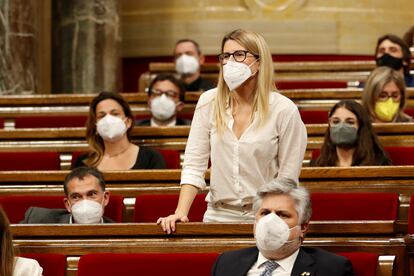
304	265
245	262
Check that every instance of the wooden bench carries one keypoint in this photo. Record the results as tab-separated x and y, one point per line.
69	140
350	71
130	184
77	240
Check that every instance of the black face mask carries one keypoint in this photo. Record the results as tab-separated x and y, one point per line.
390	61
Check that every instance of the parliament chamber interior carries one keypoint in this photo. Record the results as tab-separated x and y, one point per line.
58	55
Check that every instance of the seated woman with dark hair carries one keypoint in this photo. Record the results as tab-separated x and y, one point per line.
108	132
350	139
10	265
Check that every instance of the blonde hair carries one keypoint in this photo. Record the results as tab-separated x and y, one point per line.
379	78
256	45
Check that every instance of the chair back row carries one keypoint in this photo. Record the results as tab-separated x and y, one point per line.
148	208
182	264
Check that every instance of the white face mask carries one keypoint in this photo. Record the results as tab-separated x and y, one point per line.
235	73
271	233
87	211
163	108
111	128
186	64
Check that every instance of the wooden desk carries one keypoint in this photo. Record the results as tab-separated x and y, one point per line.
77	240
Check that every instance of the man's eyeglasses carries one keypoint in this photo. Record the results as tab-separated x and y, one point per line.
168	93
239	56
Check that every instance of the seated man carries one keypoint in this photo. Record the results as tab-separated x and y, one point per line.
188	58
393	52
166	98
283	211
85	200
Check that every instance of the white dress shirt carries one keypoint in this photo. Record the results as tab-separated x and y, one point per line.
285	265
26	267
240	166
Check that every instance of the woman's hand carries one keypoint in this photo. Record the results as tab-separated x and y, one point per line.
168	223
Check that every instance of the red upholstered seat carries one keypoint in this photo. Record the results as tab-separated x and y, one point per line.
16	161
354	206
314	116
154	264
148	208
52	264
364	264
1	123
50	121
401	156
16	206
171	158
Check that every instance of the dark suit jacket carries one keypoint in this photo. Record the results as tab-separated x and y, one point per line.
46	215
147	122
316	261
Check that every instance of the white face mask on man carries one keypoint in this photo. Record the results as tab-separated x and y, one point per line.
111	128
235	73
271	233
87	211
187	64
163	108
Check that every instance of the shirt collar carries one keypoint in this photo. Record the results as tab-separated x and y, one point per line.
286	264
71	220
170	124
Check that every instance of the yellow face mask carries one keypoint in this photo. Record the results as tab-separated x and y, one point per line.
387	110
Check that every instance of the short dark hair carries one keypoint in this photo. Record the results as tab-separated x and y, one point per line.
177	82
196	45
81	173
404	47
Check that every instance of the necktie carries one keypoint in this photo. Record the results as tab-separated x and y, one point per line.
270	266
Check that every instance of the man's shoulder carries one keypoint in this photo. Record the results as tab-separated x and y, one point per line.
324	257
239	253
143	122
46	215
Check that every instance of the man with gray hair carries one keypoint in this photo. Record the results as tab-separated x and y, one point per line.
282	214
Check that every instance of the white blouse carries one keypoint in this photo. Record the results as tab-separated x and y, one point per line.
27	267
240	166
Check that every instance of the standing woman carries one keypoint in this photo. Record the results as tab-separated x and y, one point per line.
10	265
108	133
250	133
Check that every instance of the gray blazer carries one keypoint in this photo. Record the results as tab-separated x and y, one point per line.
45	215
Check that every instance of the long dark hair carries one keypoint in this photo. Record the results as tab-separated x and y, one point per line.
94	140
7	250
368	150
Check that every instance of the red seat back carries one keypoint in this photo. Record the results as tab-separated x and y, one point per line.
364	264
173	264
115	208
1	123
314	116
354	206
24	161
401	156
171	158
52	264
148	208
50	121
16	206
